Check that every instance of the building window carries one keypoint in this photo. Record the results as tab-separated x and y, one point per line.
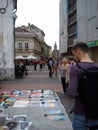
26	46
20	46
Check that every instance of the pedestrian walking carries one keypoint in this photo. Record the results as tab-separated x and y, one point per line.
35	65
55	67
50	66
82	58
41	64
63	76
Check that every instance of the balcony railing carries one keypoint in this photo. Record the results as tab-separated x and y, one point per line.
72	19
71	41
72	30
72	8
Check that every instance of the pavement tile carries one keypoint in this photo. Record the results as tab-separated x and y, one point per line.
35	80
56	87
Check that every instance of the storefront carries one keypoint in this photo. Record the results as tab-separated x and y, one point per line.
93	46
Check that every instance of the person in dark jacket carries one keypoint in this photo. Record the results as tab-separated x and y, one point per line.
35	65
81	55
50	66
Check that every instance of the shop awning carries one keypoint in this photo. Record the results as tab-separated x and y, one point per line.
19	57
31	57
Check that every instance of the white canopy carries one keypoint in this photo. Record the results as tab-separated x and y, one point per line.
31	57
19	57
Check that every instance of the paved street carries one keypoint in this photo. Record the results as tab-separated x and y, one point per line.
38	79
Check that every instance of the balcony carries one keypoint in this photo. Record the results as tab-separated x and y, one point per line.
72	31
71	41
72	34
72	20
72	8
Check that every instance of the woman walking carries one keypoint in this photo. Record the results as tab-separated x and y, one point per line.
63	73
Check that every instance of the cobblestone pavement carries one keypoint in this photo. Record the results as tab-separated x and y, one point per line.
39	80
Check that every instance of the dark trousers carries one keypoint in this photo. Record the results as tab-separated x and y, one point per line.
63	81
41	66
35	67
50	71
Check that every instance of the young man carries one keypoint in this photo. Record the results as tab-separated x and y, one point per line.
80	52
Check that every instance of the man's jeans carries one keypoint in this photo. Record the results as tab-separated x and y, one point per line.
80	122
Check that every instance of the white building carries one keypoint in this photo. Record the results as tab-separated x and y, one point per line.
63	26
87	23
82	24
87	20
7	19
29	40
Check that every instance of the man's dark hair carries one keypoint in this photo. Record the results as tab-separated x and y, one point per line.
82	46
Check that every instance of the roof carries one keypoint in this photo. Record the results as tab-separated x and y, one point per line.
20	29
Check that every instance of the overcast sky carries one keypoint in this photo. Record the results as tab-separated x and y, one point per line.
42	13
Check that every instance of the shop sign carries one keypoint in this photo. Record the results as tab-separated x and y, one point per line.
93	43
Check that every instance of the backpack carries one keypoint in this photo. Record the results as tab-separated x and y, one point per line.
88	91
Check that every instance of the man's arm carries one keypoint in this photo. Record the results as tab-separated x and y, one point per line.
73	82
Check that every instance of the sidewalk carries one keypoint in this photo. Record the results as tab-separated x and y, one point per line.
36	80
